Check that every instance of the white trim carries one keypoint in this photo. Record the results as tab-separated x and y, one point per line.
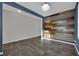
64	42
41	28
20	40
76	48
59	41
1	53
42	31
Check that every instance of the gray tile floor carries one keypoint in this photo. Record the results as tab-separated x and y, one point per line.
33	47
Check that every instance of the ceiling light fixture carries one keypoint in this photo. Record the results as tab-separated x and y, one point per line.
45	6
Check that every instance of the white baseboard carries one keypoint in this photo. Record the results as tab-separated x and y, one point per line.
6	42
64	42
76	48
1	53
59	41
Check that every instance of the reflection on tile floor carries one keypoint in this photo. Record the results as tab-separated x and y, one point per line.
33	47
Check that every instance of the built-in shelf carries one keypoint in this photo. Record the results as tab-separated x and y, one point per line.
54	20
62	23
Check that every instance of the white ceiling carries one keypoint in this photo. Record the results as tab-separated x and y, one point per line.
12	9
55	7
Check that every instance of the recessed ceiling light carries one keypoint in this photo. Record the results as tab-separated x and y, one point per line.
45	7
19	10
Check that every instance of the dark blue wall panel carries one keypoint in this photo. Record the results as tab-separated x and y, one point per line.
0	27
75	20
76	27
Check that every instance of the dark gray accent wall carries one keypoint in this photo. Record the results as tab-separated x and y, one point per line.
0	27
76	27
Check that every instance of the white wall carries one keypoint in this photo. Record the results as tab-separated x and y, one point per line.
18	27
